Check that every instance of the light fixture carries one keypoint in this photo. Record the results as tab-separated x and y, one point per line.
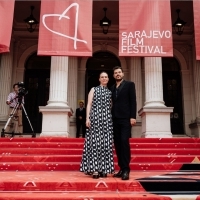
105	22
179	24
31	22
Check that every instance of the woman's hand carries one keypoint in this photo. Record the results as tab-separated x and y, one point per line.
88	123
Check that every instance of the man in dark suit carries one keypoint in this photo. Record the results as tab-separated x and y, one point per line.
124	116
80	119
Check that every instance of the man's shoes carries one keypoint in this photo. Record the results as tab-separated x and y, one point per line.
102	175
88	173
118	174
95	175
125	175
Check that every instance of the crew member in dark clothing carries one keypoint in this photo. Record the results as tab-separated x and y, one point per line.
80	120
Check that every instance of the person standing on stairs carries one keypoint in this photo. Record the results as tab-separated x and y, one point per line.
97	158
80	120
15	124
124	116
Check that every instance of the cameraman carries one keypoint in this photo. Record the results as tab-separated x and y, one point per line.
15	124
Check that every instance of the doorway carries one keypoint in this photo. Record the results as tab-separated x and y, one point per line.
37	82
101	61
172	93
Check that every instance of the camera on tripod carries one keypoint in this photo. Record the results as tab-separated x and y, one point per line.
22	90
17	107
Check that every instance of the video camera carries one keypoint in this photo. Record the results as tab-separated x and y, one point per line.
21	91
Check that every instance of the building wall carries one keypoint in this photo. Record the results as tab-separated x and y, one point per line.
22	49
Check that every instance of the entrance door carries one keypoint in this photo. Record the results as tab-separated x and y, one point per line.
173	93
37	81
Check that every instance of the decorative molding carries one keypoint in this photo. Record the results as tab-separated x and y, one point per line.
25	55
104	46
179	56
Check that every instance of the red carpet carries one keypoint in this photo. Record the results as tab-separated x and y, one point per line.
48	168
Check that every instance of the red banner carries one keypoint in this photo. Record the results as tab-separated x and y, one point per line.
65	28
6	23
145	28
196	8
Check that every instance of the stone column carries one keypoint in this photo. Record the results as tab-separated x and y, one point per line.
155	115
6	65
197	87
135	74
6	62
56	114
72	92
136	77
153	82
195	125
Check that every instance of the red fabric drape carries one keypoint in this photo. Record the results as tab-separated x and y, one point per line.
196	8
6	23
65	28
145	28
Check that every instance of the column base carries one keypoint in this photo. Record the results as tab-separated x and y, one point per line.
156	122
55	121
195	128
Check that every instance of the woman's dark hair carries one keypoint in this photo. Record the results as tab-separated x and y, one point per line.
102	73
117	67
15	85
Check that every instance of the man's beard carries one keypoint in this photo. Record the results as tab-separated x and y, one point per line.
119	80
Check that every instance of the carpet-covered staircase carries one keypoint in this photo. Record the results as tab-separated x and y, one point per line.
48	168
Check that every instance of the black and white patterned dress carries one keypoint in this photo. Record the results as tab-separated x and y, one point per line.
98	147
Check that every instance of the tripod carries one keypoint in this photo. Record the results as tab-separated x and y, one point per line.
12	114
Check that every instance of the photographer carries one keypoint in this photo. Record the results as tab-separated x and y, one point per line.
14	97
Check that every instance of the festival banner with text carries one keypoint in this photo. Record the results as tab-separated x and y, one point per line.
65	28
145	28
196	8
6	23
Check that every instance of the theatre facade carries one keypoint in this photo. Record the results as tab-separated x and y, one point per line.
59	64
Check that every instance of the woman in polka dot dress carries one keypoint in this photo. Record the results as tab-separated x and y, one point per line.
97	158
